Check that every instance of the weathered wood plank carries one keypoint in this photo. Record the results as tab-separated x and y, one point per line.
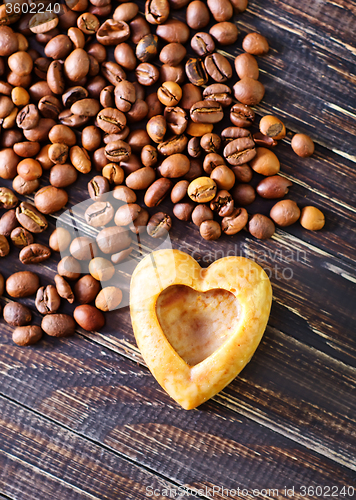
42	460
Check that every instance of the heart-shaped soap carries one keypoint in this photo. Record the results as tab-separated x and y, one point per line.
197	328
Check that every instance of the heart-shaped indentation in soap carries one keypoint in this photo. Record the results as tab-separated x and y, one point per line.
196	323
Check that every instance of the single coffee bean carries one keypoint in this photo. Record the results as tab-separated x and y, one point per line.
91	138
210	230
312	218
101	269
261	227
117	151
8	222
202	190
30	218
240	151
113	72
243	194
169	93
175	165
83	248
107	99
210	143
173	145
231	133
99	214
195	170
218	92
173	30
113	239
86	289
8	199
41	131
211	161
172	54
138	225
74	94
29	169
157	191
149	156
172	73
58	325
27	149
125	97
113	32
264	140
272	127
183	211
190	95
28	117
249	91
55	77
62	176
159	225
127	214
22	284
176	119
34	254
147	74
50	199
8	163
63	135
223	203
246	66
141	179
285	212
27	335
50	107
265	162
16	314
233	223
118	257
8	41
47	300
138	111
255	44
206	112
223	176
243	173
125	194
88	23
221	10
76	65
60	239
196	72
218	67
57	153
203	44
69	268
108	299
179	191
64	289
193	147
98	186
89	317
197	15
156	128
156	11
302	145
4	246
201	213
58	47
241	115
273	187
85	107
225	33
147	48
20	237
125	12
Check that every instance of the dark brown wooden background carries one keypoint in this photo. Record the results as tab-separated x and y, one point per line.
82	418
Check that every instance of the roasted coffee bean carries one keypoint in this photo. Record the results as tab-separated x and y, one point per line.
73	121
312	218
117	151
113	239
147	74
210	143
197	15
149	156
155	107
125	12
80	159
139	224
206	112
91	138
41	131
27	335
179	191
240	151
272	126
225	33
255	44
138	111
210	230
113	173
233	223
74	94
107	99
16	314
47	300
113	32
195	170
201	213
34	254
273	187
60	239
243	194
156	128
57	153
218	92
176	119
261	227
50	107
125	194
231	133
111	120
76	65
193	147
175	165
20	237
218	67
83	248
147	48
50	199
4	246
211	161
108	299
30	218
243	173
246	66
86	289
157	191
202	189
190	95
302	145
173	31
58	47
249	91
85	107
118	257
125	97
22	284
113	72
28	117
183	211
98	186
264	140
221	10
156	11
241	115
58	325
64	289
88	23
223	203
55	77
169	93
141	179
203	44
223	176
8	199
159	225
8	163
127	214
172	54
8	222
99	214
101	269
25	187
29	169
27	149
62	176
69	268
62	134
285	212
265	162
9	138
89	317
196	72
173	145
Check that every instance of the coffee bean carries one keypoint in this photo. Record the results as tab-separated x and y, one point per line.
173	30
147	48
156	193
179	191
27	335
249	91
149	156
176	119
147	74
117	151
101	269
76	65
62	176
4	246
47	300
127	214
139	224
141	179
233	223
58	47
223	203
16	314
218	67
173	145
34	254
69	268
50	199
20	237
312	218
246	66
203	44
8	222
243	194
211	161
113	72
183	211
221	10
7	198
302	145
272	127
8	163
99	214
30	218
218	92
83	248
169	93
22	284
108	299
190	95
125	194
243	173
195	71
273	187
58	325
125	12
118	257
265	162
74	94
206	112
223	176
210	143
193	147
285	212
98	186
210	230
89	317
197	15
231	133
113	239
64	289
202	190
57	153
255	44
172	54
60	239
261	227
175	166
156	11
264	140
240	151
55	77
156	128
241	115
225	33
159	225
28	117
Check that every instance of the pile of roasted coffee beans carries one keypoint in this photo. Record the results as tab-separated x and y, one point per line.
139	99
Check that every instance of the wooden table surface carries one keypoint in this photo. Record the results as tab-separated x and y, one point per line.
82	417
